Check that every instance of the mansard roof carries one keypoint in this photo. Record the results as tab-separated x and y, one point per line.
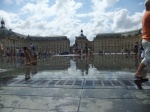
21	35
47	38
105	35
5	32
119	34
81	36
132	33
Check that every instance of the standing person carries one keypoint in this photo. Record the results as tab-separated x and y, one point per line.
145	41
86	50
32	47
30	60
136	49
1	49
11	53
7	52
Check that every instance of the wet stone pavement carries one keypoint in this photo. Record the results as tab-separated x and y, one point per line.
73	85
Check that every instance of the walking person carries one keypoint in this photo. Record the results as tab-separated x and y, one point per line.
145	42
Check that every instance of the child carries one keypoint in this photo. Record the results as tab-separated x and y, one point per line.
30	60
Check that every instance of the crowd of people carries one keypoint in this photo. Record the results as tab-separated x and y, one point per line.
28	53
19	52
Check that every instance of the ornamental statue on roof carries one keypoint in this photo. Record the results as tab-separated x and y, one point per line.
81	36
2	23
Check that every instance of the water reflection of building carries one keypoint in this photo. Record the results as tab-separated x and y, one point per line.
8	63
114	62
83	64
106	62
54	63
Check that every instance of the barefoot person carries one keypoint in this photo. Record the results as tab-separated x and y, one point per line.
30	60
145	41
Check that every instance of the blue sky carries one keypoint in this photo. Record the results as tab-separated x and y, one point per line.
68	17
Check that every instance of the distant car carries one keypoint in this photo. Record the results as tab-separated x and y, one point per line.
64	53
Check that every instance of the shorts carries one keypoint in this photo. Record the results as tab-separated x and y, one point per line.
146	46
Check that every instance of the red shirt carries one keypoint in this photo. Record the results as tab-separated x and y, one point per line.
146	26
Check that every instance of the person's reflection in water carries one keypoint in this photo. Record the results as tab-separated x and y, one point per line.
27	72
144	74
34	70
9	61
138	83
30	71
136	63
86	68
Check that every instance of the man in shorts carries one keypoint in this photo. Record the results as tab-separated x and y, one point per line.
145	42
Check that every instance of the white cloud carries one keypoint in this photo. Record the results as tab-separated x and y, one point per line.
101	5
122	20
63	18
9	18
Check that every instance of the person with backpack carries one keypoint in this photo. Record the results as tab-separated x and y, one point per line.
32	48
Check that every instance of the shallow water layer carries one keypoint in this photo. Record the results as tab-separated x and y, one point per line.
98	66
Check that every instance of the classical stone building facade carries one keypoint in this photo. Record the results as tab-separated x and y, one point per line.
106	42
13	40
10	39
109	42
116	42
53	44
80	43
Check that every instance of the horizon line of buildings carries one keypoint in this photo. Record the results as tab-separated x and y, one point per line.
107	42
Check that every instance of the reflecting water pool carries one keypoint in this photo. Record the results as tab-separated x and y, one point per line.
99	66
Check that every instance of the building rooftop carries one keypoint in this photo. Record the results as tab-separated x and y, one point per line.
119	34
